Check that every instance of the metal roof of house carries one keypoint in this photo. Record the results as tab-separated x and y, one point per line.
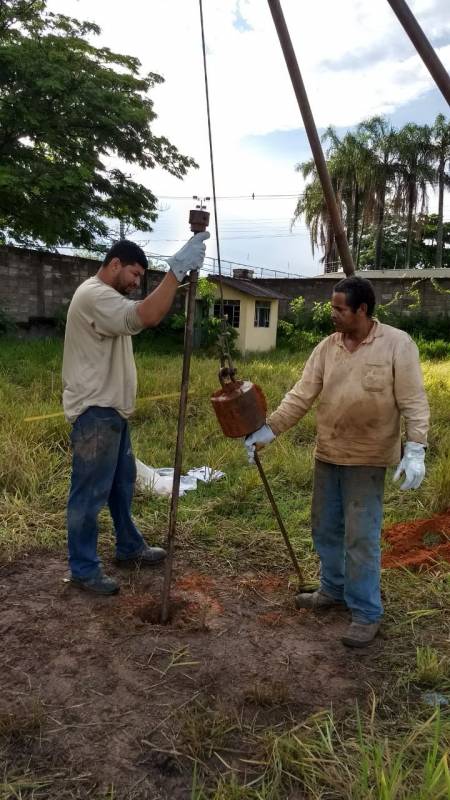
248	287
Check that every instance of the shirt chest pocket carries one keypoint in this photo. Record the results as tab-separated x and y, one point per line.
376	376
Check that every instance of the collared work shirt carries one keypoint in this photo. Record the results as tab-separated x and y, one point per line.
362	397
98	363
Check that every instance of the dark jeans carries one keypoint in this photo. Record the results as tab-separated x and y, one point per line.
103	472
347	512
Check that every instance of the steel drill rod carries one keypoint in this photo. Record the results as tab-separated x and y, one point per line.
188	344
278	516
423	46
313	136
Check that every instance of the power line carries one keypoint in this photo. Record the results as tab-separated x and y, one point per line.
256	236
234	196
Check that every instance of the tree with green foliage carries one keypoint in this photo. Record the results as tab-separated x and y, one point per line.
381	140
423	242
381	178
441	145
415	173
67	110
351	163
311	204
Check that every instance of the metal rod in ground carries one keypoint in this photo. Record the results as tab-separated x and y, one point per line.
423	46
188	343
279	520
313	136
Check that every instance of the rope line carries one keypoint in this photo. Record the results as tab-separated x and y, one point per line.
223	338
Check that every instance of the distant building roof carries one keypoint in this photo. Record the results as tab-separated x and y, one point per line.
443	272
248	287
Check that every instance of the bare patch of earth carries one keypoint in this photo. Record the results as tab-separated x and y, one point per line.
95	693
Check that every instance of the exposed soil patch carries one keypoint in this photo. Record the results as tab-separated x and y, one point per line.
418	544
120	699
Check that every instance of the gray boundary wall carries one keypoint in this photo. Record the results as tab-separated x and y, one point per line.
434	299
36	285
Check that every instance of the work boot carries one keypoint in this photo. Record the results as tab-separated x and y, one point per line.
318	599
360	634
98	584
146	557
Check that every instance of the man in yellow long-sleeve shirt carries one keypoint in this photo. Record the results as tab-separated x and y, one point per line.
368	376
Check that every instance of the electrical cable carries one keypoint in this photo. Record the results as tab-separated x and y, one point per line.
223	338
211	156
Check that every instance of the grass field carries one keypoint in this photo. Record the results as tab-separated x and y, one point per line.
396	747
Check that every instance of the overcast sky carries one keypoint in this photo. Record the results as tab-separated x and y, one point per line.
355	59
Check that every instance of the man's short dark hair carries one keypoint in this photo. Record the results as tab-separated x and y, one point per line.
127	252
357	291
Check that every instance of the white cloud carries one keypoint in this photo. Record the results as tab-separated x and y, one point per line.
249	85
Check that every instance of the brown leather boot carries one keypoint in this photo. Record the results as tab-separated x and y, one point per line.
360	634
318	599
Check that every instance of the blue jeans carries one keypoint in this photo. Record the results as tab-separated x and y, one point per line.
347	512
103	472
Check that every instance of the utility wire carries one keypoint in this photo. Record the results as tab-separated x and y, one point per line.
211	156
234	196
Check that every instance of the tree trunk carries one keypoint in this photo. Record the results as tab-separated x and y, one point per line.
361	234
356	203
409	225
440	225
380	227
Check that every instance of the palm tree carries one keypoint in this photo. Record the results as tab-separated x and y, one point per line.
414	173
441	144
311	204
351	163
380	139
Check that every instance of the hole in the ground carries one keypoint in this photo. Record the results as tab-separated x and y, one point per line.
151	611
432	538
191	610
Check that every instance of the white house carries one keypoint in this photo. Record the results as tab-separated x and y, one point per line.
250	308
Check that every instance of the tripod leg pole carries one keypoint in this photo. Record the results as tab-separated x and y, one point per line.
279	520
188	344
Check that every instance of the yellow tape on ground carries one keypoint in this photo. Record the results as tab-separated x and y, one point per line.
140	400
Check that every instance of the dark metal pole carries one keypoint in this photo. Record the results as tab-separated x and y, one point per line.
188	344
422	45
311	130
279	519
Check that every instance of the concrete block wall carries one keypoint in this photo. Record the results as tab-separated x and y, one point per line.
35	285
432	301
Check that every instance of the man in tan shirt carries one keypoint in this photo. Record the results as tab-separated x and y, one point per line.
368	376
99	393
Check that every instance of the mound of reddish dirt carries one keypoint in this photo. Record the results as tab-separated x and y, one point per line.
419	543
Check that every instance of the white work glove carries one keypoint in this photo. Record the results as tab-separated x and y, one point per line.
191	256
413	465
261	437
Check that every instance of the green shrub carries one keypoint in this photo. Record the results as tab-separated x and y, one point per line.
306	327
416	323
434	350
321	318
7	324
211	329
60	317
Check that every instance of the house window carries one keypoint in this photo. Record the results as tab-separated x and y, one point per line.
262	314
231	310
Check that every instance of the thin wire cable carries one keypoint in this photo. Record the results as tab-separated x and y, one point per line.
234	196
211	156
